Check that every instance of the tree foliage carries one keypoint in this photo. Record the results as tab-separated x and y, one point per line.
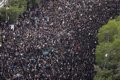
108	51
13	10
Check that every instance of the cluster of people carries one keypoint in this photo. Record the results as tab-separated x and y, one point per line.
54	40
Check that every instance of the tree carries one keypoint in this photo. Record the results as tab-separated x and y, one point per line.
12	12
107	32
108	51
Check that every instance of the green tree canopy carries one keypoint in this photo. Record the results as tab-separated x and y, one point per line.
108	51
13	10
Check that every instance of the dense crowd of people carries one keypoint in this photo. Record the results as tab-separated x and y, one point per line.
54	40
